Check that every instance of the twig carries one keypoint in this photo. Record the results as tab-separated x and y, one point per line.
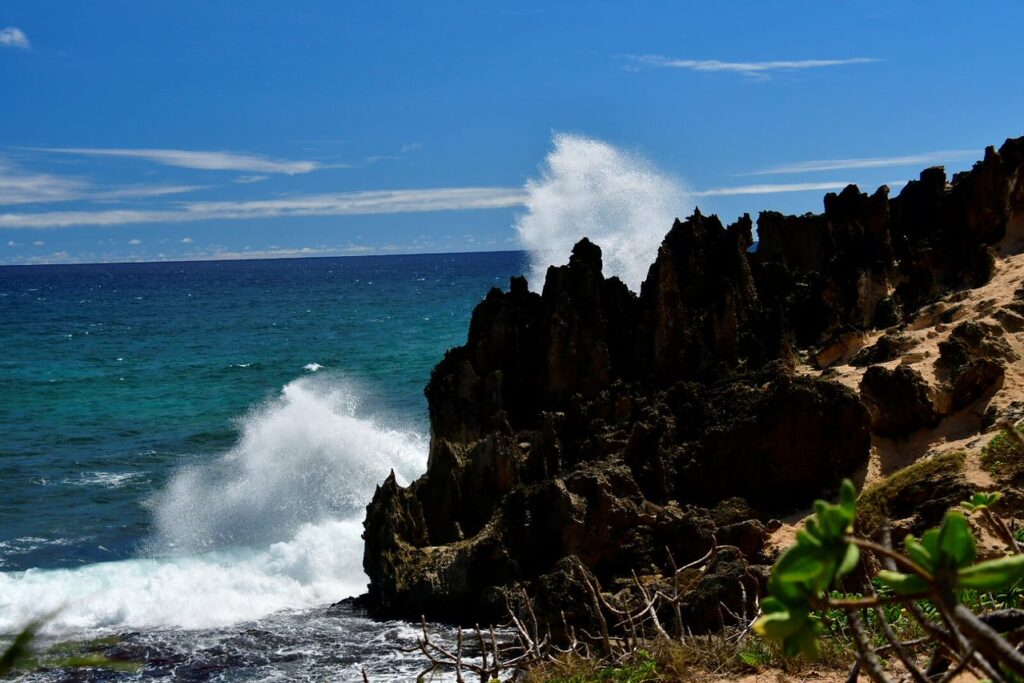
868	658
987	640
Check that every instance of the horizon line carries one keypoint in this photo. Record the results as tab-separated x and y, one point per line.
216	259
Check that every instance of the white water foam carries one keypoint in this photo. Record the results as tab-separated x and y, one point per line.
111	480
589	188
319	565
273	524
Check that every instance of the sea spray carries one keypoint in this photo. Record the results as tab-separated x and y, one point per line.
272	524
589	188
302	457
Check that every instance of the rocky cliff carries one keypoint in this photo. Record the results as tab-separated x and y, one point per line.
632	432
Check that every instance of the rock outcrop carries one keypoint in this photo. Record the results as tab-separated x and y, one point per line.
587	428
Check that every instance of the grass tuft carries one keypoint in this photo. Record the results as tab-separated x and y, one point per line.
879	501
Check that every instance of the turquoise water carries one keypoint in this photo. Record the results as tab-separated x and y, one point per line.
192	445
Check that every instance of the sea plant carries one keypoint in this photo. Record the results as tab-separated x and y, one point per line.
927	582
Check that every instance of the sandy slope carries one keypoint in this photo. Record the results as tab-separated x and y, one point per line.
962	431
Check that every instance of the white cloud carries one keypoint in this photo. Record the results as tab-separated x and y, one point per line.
411	147
23	187
38	243
248	179
747	68
140	191
335	204
867	162
18	186
775	188
769	189
12	243
201	160
13	36
135	242
186	240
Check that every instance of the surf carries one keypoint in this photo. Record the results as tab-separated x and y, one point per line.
618	199
272	524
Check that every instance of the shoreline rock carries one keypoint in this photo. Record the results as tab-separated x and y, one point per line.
591	426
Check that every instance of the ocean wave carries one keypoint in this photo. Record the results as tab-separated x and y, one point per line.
303	457
589	188
321	564
272	524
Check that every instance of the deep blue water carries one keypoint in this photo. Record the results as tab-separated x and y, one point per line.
168	426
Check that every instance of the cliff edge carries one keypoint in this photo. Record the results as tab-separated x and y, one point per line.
587	428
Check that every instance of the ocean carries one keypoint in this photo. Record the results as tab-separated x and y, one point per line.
187	450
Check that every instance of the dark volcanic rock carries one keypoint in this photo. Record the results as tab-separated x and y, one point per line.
972	362
898	400
590	427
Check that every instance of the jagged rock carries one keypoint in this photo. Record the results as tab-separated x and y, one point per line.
714	602
889	346
898	400
774	441
972	364
1011	320
974	380
984	340
589	422
563	597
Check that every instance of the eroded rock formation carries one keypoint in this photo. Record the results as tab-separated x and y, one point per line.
587	428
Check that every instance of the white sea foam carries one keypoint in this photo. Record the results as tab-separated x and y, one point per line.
320	564
588	188
272	524
312	367
111	480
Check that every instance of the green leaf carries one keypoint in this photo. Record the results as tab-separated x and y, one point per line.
902	584
956	542
800	563
848	498
918	553
930	541
804	537
981	500
850	560
770	605
992	575
837	520
807	642
778	625
18	650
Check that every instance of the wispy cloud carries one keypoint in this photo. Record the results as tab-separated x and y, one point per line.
776	188
867	162
201	160
747	68
249	179
142	191
770	189
19	186
335	204
24	187
13	36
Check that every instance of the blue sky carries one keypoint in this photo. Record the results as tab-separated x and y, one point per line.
202	128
